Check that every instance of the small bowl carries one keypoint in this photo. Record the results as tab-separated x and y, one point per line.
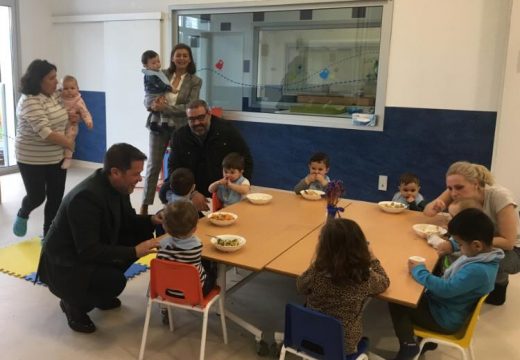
312	194
259	198
392	207
222	218
425	230
228	248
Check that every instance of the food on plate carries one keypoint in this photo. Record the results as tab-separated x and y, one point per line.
222	216
228	242
393	205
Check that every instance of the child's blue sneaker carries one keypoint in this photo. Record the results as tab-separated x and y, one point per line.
20	226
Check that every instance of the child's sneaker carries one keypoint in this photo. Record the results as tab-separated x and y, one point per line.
20	226
164	315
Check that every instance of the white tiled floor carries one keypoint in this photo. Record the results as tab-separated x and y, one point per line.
33	326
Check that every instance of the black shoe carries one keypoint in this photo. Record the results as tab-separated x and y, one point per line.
498	295
407	351
77	320
109	305
429	346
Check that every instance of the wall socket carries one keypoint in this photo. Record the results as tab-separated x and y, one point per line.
381	185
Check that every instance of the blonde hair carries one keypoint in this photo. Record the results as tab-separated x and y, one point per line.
475	173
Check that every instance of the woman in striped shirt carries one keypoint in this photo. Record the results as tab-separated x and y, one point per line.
40	142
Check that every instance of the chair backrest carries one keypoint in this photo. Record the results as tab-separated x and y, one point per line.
216	204
175	282
308	331
467	331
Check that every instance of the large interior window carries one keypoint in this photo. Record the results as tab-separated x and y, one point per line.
293	65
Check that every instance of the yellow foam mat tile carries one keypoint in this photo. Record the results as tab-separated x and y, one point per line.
145	260
21	259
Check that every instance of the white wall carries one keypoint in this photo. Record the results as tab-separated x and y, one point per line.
506	166
447	54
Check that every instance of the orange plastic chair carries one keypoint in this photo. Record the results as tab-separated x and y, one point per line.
217	111
461	340
183	279
216	204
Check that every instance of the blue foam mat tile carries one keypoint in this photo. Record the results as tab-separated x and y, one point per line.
134	270
31	278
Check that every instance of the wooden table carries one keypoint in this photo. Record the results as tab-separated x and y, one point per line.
392	239
269	229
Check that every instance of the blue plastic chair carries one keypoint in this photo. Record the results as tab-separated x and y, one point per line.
314	335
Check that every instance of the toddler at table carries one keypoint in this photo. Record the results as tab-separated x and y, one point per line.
408	194
317	178
180	222
344	274
233	185
449	300
74	104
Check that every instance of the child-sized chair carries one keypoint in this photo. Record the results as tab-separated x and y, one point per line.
314	335
461	340
176	284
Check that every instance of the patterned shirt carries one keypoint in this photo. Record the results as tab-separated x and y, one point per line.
188	251
39	116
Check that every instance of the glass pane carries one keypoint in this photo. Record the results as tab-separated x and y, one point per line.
318	62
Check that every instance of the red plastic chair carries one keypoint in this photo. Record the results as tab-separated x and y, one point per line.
216	204
183	279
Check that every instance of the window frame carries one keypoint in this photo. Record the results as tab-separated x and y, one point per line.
294	119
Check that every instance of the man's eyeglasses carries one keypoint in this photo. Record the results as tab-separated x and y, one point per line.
201	117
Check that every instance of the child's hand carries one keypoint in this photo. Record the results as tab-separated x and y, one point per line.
320	178
410	199
412	264
444	248
224	181
310	178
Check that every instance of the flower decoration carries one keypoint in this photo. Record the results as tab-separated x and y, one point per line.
333	192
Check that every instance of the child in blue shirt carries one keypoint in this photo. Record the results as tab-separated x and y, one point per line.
449	300
233	185
317	178
408	194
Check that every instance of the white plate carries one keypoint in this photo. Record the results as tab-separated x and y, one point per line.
214	218
241	242
392	207
312	194
425	230
259	198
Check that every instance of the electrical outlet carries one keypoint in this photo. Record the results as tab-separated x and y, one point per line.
381	185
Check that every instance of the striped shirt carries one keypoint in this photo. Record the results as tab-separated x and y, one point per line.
39	116
188	251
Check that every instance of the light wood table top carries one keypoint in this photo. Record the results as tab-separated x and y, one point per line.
269	229
392	239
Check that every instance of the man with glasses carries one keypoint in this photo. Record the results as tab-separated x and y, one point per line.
200	146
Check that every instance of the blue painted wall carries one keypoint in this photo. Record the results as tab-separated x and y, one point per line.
91	144
423	141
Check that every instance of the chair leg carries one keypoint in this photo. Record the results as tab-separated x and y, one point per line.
471	353
145	329
204	331
170	317
223	319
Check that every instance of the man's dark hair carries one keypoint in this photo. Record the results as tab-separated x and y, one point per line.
147	55
233	161
320	157
408	178
198	103
121	156
30	84
181	181
472	224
